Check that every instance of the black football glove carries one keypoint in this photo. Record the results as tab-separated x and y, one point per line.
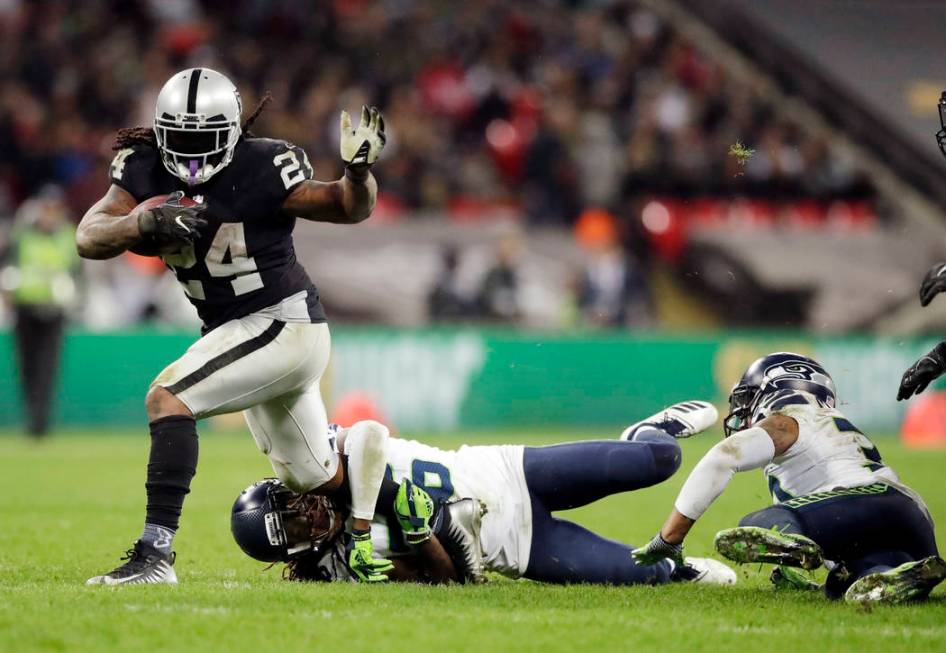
922	372
171	222
933	283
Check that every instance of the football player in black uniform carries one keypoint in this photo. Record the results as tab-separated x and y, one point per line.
930	366
265	343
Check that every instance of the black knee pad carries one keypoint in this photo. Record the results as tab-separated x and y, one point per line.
774	517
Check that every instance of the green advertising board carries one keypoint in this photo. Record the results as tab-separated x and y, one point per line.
448	379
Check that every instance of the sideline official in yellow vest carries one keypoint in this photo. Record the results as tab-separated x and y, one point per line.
38	279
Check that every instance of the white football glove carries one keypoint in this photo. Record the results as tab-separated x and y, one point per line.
361	147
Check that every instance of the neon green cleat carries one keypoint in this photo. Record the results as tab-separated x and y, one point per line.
786	578
754	544
910	581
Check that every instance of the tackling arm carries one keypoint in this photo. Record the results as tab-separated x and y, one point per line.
364	444
351	198
751	448
109	227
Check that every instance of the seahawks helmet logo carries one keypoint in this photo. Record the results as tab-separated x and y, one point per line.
772	374
796	369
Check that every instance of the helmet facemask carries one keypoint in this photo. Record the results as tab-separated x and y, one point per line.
193	147
741	403
315	543
310	522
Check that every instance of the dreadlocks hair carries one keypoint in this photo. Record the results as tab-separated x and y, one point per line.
131	136
266	99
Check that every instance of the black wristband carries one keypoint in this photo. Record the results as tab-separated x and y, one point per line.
358	174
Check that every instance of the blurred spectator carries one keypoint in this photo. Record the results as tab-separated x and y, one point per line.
547	109
498	295
37	279
612	290
446	302
544	111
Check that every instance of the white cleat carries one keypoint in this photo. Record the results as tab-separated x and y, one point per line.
680	420
144	565
706	571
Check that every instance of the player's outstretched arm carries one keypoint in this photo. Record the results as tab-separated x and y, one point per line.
365	445
108	228
351	198
751	448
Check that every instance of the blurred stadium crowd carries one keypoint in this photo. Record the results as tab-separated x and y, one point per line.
544	112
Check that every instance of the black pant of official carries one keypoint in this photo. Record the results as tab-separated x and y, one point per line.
38	345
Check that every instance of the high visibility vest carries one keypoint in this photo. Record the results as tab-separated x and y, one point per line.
43	264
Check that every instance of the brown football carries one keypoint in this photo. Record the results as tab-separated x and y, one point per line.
158	248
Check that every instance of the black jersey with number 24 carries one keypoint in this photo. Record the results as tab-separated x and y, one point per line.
244	260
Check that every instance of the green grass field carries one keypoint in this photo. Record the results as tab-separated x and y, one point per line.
70	506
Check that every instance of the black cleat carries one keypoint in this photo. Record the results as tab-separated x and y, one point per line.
145	565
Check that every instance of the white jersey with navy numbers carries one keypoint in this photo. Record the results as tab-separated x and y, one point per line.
830	453
491	474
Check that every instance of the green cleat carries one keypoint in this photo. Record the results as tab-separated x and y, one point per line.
753	544
910	581
786	578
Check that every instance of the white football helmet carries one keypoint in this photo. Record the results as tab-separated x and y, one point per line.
197	123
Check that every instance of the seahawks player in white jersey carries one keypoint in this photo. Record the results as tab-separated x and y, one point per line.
519	488
265	342
835	499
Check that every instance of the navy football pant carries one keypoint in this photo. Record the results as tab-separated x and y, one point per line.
566	476
866	530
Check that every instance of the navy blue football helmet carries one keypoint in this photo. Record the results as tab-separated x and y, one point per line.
271	523
773	373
